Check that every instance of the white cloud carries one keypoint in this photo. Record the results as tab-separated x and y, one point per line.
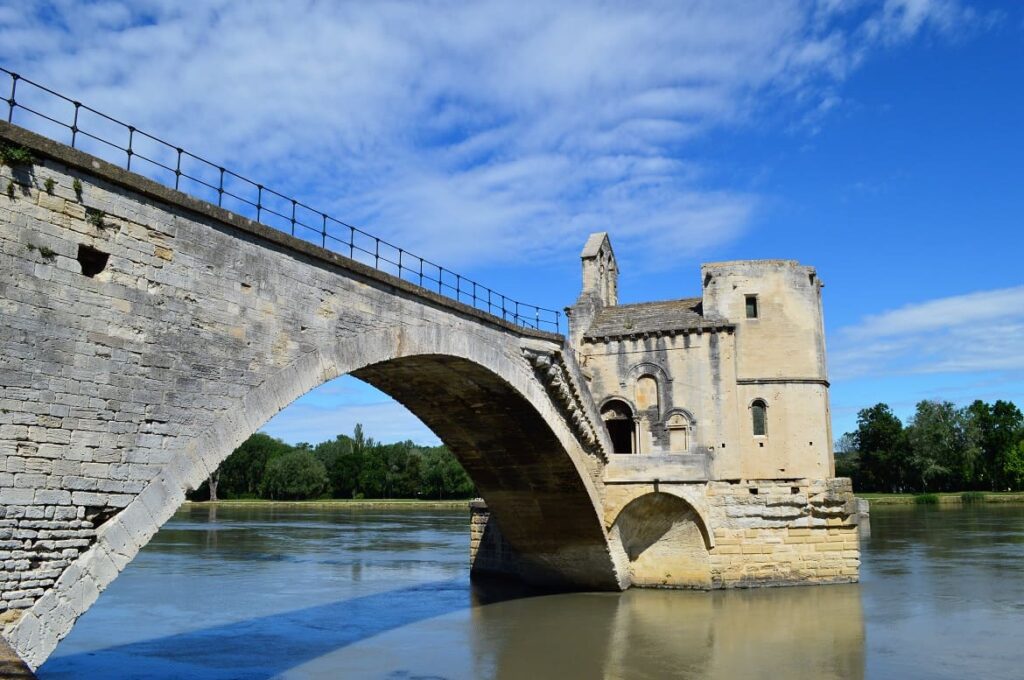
982	331
484	131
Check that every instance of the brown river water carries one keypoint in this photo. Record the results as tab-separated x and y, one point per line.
264	592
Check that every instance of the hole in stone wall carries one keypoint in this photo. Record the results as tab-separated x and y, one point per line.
794	489
761	444
92	261
753	490
99	515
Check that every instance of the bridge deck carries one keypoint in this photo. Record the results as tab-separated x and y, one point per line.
46	147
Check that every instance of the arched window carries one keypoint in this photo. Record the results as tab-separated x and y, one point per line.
618	419
679	427
759	415
647	394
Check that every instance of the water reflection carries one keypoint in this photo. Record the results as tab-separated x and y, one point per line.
260	593
791	632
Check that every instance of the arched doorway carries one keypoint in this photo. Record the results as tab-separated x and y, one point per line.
621	425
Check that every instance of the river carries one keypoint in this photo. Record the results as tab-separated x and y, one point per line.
263	592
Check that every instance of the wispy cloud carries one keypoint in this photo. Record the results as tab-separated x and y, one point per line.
977	332
491	131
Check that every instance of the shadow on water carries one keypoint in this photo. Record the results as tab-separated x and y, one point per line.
520	632
267	646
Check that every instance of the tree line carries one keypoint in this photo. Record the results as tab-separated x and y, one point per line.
941	448
343	467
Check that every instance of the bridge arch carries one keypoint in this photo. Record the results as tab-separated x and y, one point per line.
665	540
204	325
482	400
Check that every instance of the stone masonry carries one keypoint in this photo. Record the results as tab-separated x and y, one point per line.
145	334
124	385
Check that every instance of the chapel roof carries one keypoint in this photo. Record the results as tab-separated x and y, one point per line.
650	317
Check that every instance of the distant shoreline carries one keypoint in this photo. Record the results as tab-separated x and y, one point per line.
944	498
340	503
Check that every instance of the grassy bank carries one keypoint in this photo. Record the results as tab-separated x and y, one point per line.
340	503
946	498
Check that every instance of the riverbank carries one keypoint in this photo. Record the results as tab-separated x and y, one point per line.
945	498
340	503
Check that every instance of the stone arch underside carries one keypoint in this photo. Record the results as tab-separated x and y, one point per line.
534	490
480	399
664	539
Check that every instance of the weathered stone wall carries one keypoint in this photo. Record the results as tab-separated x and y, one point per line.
690	369
122	388
787	533
489	552
755	533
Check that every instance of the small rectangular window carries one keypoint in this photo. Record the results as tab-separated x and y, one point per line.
751	306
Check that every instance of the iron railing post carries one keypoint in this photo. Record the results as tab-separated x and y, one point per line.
131	140
12	102
74	124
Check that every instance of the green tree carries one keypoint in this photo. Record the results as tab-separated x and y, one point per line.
443	476
242	471
943	455
239	475
884	462
1013	469
995	429
296	475
343	464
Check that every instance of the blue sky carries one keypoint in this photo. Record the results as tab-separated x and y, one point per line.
879	141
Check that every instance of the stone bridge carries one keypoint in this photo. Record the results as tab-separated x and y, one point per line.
145	334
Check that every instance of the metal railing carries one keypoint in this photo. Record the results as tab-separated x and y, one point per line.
42	110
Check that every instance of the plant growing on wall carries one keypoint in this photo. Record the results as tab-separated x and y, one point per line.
95	218
14	155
